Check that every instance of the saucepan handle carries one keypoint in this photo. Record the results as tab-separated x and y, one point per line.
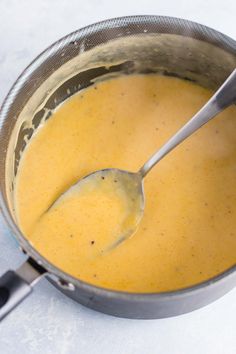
13	289
15	286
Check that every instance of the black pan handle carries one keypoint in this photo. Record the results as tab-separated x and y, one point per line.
15	286
13	289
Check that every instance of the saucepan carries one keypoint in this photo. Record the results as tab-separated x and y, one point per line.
126	45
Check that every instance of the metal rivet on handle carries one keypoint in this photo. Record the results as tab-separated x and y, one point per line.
65	285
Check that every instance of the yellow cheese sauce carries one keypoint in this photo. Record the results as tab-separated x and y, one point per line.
187	233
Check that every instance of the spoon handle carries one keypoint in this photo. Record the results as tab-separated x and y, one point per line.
224	97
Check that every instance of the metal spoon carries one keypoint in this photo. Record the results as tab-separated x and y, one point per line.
132	183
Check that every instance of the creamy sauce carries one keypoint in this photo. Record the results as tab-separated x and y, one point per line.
187	233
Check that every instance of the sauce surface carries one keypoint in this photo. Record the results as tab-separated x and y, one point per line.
187	234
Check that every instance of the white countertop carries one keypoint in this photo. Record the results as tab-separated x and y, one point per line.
48	322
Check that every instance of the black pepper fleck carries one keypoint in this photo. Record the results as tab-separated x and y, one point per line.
92	242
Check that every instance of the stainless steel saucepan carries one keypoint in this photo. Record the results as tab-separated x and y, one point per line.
136	44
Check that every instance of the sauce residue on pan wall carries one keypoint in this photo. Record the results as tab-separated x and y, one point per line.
187	234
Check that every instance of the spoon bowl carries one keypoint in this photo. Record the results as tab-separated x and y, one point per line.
122	189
